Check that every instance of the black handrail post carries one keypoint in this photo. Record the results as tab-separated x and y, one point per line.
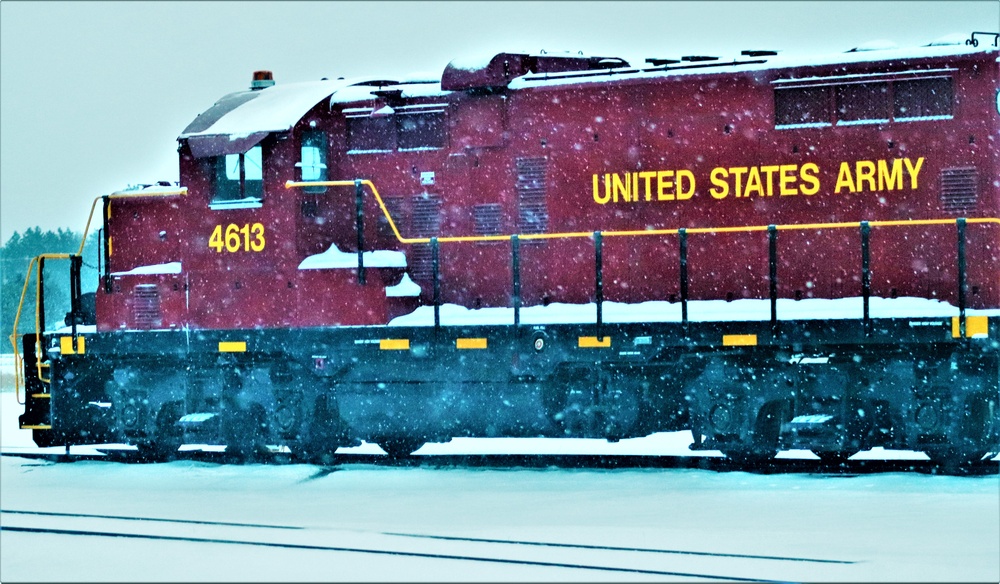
360	224
772	275
683	240
75	264
106	236
436	270
960	224
515	249
866	277
40	301
599	281
100	257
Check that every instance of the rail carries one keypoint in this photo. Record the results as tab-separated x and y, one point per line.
39	263
864	228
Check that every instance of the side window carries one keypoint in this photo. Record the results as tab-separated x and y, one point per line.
922	99
239	176
312	166
420	130
802	107
862	103
367	134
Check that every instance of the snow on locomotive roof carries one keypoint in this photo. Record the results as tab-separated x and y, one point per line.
408	91
245	117
861	54
273	109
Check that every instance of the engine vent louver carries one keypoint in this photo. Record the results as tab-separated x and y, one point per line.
959	190
146	306
394	205
533	208
426	222
487	219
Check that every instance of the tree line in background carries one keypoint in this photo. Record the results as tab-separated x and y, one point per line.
15	258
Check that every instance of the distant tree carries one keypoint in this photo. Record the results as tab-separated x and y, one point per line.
15	257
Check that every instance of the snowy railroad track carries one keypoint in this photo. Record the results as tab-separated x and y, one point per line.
591	561
564	461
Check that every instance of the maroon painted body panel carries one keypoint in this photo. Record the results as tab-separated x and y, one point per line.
628	151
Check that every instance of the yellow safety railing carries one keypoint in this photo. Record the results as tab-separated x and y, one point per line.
37	262
630	233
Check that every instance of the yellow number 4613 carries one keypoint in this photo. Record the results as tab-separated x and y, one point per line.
235	238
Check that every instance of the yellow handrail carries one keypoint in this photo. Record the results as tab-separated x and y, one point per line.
18	359
183	191
576	234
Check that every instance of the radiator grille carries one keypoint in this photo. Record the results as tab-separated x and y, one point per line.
394	205
487	218
531	197
959	190
146	306
426	223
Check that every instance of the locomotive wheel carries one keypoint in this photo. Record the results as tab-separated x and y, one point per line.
244	431
400	447
762	444
167	436
951	459
970	444
325	434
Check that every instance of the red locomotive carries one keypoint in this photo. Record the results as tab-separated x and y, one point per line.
772	253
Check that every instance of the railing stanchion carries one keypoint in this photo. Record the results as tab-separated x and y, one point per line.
75	265
436	271
515	249
866	277
772	274
359	210
960	224
683	240
40	292
599	281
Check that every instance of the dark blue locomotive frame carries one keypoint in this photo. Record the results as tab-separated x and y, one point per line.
747	388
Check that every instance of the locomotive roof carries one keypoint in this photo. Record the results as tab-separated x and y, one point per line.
240	120
899	56
273	109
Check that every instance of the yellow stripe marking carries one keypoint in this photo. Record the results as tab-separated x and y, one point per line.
739	340
594	342
232	346
394	344
470	343
974	326
39	427
66	345
654	232
41	395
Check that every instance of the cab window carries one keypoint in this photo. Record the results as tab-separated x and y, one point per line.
239	177
312	166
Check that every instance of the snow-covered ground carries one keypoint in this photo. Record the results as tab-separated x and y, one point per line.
366	523
103	521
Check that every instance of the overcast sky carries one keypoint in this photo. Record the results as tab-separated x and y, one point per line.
94	94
